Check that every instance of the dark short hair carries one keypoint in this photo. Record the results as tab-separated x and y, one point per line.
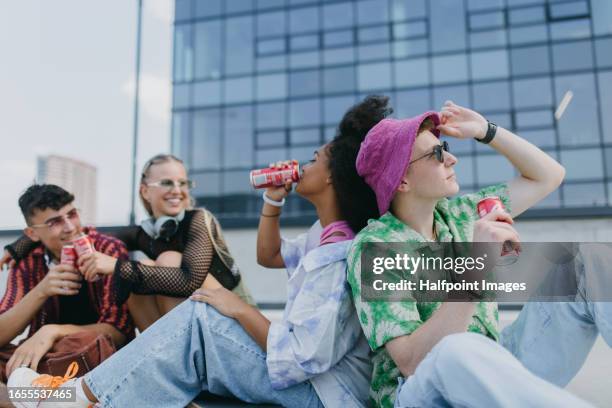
39	197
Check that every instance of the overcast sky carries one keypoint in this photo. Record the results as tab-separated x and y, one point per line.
66	88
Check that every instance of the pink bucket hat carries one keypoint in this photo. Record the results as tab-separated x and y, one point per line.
384	154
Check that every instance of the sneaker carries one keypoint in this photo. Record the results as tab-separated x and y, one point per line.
23	377
26	377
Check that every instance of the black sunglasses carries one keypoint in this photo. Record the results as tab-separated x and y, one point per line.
437	151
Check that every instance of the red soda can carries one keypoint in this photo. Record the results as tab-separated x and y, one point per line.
274	176
82	245
68	256
485	206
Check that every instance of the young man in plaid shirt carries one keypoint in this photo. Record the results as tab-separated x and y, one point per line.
53	299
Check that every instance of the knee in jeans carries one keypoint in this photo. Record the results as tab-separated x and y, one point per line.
458	349
204	311
209	316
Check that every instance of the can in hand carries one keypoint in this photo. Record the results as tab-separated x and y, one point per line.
68	256
83	246
509	252
276	176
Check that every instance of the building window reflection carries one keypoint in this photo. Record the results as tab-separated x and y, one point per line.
259	81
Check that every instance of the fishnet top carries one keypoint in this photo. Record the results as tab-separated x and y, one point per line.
192	240
21	248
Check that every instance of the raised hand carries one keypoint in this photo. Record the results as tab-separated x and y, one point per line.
278	193
462	123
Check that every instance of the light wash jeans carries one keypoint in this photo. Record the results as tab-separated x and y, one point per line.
191	349
541	351
553	339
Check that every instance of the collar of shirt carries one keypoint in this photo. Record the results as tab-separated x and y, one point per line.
405	233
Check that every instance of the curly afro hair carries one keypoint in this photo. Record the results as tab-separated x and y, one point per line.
356	199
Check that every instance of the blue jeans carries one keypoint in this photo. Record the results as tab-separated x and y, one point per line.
191	349
471	370
541	351
553	339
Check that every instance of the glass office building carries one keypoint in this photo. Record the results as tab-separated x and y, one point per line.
267	80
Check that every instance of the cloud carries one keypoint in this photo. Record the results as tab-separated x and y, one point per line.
162	10
155	93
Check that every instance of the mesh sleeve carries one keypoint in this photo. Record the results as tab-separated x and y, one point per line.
21	247
179	282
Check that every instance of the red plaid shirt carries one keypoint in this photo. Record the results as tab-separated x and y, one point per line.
33	268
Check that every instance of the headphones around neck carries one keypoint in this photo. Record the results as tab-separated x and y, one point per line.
164	227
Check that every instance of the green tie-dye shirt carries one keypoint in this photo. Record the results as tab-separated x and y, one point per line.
383	321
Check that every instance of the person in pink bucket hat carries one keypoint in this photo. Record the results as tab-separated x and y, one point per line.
446	353
384	155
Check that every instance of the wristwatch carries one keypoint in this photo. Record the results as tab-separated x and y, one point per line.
491	131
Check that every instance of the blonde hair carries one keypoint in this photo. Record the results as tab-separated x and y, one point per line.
157	159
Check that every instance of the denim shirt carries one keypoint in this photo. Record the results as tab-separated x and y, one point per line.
319	338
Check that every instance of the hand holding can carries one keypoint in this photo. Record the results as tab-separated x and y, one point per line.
83	246
276	175
510	251
68	256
